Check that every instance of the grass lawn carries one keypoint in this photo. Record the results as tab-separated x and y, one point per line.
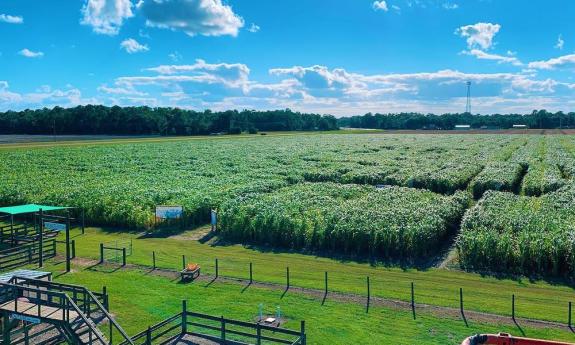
139	299
537	300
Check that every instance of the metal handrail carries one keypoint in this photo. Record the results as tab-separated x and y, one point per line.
110	318
83	317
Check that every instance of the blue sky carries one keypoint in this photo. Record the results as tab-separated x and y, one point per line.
343	57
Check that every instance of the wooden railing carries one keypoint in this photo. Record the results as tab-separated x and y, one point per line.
217	329
46	298
26	254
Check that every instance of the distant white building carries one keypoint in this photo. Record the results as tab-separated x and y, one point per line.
520	126
463	127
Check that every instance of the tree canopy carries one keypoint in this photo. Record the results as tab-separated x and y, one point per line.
99	119
537	119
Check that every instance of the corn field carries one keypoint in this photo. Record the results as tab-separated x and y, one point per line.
385	195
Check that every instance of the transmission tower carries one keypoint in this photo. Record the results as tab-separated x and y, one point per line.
468	105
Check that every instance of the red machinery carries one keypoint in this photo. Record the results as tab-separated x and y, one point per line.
507	339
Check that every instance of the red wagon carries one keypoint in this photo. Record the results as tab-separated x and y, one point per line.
507	339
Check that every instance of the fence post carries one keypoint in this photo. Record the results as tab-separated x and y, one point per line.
154	259
569	319
302	333
368	293
183	262
513	306
461	300
217	269
41	241
106	301
101	253
30	255
184	317
149	336
413	300
326	283
287	278
258	334
124	256
223	329
251	273
83	221
73	249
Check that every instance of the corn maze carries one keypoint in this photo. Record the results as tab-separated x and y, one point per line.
507	202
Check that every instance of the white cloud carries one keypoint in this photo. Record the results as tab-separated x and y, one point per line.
175	56
132	46
254	28
450	6
560	43
499	58
380	6
45	96
5	18
559	62
479	35
125	91
194	17
106	16
30	54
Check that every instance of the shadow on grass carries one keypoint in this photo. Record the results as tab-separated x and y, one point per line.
421	265
519	327
246	287
213	280
102	268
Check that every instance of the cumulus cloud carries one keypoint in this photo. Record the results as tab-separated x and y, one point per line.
106	16
233	73
194	17
45	96
132	46
560	43
254	28
494	57
450	6
565	61
30	54
380	6
5	18
479	35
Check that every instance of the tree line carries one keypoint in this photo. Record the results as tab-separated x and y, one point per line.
115	120
537	119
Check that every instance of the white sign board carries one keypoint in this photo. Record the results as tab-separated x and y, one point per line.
169	212
54	226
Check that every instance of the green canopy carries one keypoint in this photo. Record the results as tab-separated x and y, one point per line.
29	208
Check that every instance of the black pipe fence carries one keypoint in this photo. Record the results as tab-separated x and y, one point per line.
409	289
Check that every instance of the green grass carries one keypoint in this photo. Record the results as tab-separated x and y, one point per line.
537	300
139	299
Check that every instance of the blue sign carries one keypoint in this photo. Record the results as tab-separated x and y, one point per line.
24	318
214	218
54	226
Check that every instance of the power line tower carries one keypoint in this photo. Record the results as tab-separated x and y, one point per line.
468	104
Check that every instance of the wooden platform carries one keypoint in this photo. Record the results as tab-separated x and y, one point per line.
31	310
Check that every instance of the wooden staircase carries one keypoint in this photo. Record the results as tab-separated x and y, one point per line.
73	310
